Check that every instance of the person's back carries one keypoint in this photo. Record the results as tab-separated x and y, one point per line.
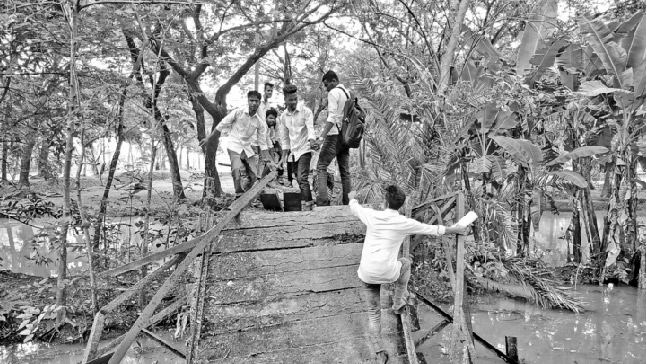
379	264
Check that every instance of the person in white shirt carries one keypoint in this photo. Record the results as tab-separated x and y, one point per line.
298	140
379	264
246	125
263	107
332	146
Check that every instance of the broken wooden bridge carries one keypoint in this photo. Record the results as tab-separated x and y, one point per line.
265	287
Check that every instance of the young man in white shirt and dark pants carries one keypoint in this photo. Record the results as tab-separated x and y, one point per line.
298	140
385	232
246	125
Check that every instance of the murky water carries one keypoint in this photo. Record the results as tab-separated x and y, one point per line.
143	351
23	251
611	331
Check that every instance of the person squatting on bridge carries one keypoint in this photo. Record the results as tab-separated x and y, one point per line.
379	264
246	125
298	140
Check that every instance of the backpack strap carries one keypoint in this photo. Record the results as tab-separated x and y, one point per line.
345	93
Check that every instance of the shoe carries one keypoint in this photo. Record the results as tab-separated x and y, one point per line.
400	303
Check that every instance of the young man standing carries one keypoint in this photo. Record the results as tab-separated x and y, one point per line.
246	125
332	147
263	107
298	140
385	232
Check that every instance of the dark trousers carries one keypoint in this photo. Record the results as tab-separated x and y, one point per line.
332	148
250	164
303	172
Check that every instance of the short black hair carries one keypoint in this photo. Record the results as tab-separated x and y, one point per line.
395	197
330	76
268	84
271	112
290	89
255	94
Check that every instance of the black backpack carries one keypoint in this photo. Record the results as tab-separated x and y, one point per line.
352	127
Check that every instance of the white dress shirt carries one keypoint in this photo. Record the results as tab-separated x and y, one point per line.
385	231
296	129
336	100
244	128
262	108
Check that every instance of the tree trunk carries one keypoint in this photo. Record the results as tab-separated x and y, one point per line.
178	190
577	228
43	165
212	187
5	156
149	195
72	12
590	219
25	160
457	16
103	205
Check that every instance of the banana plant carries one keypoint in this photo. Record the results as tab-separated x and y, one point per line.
620	86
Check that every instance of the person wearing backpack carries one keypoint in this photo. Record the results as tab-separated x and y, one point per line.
331	143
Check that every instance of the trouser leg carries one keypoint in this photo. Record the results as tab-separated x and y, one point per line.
343	161
236	165
303	172
326	155
371	297
251	167
400	294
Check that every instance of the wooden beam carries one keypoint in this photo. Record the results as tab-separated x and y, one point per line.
434	330
146	314
177	351
449	318
103	352
97	325
180	248
405	319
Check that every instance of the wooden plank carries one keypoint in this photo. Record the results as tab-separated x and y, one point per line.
244	316
197	306
147	313
294	335
95	336
259	263
286	223
101	353
262	219
350	351
271	286
177	351
294	236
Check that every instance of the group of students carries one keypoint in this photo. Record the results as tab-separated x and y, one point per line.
256	131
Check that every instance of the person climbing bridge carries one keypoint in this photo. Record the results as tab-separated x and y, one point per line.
379	264
246	125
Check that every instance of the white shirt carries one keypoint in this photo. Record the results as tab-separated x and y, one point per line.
336	100
262	108
296	128
385	231
244	128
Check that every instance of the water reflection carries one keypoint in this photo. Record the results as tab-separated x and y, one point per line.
142	351
611	331
24	250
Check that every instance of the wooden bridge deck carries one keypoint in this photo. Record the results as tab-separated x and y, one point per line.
282	287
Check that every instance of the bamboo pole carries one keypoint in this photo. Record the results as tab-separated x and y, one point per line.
143	318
